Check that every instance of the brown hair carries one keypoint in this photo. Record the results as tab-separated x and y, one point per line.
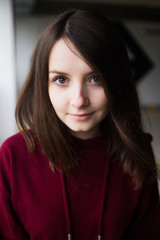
100	45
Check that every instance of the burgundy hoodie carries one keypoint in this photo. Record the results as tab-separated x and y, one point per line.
39	204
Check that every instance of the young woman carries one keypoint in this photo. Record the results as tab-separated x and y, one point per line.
81	166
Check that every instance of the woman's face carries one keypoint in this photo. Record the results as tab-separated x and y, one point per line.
76	91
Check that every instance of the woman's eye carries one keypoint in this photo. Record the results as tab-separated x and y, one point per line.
60	80
95	79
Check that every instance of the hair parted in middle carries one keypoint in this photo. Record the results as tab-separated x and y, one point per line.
95	37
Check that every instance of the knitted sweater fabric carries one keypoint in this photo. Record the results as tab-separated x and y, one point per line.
32	205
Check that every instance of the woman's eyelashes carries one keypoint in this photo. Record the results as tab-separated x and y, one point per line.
95	80
63	80
60	80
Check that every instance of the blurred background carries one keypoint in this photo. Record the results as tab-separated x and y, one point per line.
22	21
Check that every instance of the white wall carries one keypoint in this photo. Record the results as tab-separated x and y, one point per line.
28	30
7	72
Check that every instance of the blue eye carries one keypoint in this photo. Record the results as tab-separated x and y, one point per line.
60	80
95	79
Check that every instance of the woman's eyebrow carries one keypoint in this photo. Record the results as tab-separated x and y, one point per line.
64	73
58	72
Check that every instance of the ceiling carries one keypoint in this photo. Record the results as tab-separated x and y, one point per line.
148	10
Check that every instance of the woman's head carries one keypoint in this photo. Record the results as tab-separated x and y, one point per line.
96	40
76	91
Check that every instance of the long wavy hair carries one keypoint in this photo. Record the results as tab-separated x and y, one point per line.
97	40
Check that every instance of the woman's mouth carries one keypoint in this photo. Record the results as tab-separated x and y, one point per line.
82	116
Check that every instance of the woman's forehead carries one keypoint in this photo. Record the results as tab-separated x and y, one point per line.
64	53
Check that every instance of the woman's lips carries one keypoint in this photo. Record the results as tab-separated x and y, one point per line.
81	117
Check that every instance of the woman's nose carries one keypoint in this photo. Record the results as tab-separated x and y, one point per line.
79	97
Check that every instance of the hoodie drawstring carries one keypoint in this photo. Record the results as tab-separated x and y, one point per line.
66	206
102	201
101	208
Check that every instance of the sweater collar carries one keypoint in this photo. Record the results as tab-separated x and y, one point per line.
90	143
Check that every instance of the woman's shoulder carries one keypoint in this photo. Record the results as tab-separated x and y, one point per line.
15	146
15	149
14	141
